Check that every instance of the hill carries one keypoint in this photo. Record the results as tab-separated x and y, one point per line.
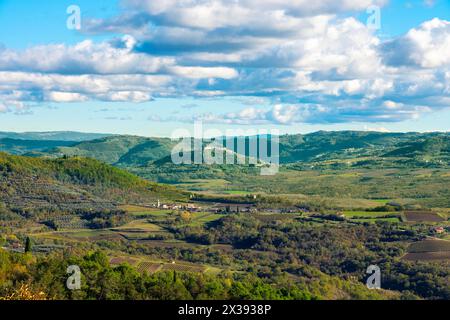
72	184
322	145
120	150
351	163
427	146
124	151
35	143
318	146
54	135
20	146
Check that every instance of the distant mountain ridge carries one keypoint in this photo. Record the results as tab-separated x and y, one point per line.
21	146
322	145
135	151
26	142
54	136
318	146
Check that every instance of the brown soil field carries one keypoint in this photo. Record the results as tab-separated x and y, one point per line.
423	216
149	267
183	268
427	256
120	260
429	245
163	244
428	250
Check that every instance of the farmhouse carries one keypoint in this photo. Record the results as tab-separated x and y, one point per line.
439	230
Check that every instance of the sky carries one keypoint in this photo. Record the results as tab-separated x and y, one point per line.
147	67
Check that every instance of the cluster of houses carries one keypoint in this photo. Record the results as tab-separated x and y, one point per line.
233	208
186	207
221	207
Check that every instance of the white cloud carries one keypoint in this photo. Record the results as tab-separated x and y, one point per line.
279	114
303	57
256	14
71	88
103	58
85	57
427	46
204	72
56	96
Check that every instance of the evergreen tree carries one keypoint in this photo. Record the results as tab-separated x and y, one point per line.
28	245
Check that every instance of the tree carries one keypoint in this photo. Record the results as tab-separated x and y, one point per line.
28	245
186	216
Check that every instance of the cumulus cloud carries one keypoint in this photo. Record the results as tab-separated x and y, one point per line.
37	87
308	59
108	71
85	57
214	14
427	46
115	57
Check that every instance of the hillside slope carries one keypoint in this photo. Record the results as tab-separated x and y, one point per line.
20	146
130	151
120	150
53	136
73	183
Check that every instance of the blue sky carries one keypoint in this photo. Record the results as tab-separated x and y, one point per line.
147	68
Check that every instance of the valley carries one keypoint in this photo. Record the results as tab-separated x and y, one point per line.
116	205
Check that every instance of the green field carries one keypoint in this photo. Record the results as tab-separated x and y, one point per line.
377	219
367	214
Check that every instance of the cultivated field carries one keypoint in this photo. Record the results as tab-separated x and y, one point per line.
429	245
144	265
428	256
423	216
428	250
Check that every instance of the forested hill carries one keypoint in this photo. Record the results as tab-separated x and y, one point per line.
21	146
318	146
72	182
53	136
21	143
324	145
134	151
123	150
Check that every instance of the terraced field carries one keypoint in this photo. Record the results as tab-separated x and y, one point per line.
275	216
183	268
429	245
168	244
423	216
144	211
139	226
144	265
427	256
368	214
149	267
69	222
121	260
389	219
79	235
429	249
200	218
